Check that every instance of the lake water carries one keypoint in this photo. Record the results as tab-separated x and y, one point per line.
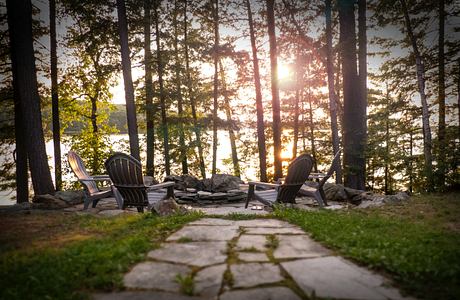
249	170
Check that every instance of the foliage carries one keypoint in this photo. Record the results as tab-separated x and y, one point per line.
97	262
414	242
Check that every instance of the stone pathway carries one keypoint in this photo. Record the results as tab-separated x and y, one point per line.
254	259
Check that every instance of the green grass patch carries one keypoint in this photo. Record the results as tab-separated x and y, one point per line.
186	283
272	242
423	257
98	262
184	239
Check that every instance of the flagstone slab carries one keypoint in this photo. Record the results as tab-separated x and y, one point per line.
253	257
155	275
143	295
272	293
198	254
335	277
252	274
298	246
252	242
213	222
209	280
225	210
274	230
263	223
205	233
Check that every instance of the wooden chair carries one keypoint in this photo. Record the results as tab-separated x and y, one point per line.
126	174
318	191
298	172
92	192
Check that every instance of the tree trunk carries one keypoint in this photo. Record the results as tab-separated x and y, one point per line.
164	120
275	90
354	110
127	80
228	113
333	99
25	78
22	176
441	99
196	125
458	96
54	98
259	106
387	141
421	87
362	59
216	84
95	146
183	150
296	120
149	113
312	134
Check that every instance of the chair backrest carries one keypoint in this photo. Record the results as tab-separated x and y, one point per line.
78	168
126	174
298	172
331	169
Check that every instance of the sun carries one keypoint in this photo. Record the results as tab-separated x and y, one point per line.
284	71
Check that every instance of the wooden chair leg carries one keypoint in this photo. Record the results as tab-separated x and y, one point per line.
250	195
319	198
95	202
118	197
86	203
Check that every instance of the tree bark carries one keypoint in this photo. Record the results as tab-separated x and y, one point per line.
54	98
183	150
128	81
216	84
354	110
25	80
441	99
22	176
275	90
259	106
362	59
150	166
164	120
228	113
312	133
196	125
427	145
333	98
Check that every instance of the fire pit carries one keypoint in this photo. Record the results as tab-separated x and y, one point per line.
220	188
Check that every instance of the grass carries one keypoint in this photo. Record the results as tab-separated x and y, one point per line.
417	243
69	255
272	242
186	283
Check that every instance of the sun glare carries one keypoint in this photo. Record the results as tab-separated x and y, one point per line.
284	72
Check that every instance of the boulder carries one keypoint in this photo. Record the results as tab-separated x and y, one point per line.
71	197
334	192
185	182
225	182
167	207
49	202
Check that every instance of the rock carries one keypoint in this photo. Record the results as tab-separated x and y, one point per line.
167	207
71	197
225	182
202	194
335	192
184	182
48	201
253	274
262	293
199	254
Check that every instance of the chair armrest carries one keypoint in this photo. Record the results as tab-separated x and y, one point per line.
317	175
263	184
95	179
160	185
168	184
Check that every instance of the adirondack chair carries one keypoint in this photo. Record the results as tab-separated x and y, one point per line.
298	172
126	174
92	192
317	192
